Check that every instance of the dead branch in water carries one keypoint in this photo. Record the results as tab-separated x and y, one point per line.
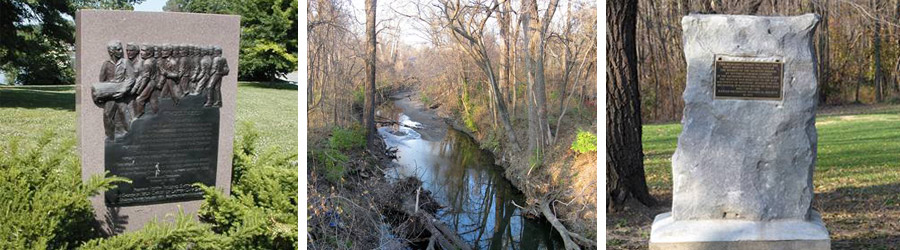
585	241
450	239
567	240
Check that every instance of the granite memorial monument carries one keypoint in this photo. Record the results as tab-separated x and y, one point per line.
161	112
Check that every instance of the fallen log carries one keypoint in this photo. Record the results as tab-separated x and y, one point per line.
421	210
442	231
563	233
584	241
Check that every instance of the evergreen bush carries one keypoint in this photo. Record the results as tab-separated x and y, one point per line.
43	201
261	212
185	233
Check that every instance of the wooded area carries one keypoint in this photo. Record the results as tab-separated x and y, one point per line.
517	76
857	47
520	53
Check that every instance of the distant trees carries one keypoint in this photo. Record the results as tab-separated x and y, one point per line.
335	83
471	63
856	48
467	27
268	33
36	38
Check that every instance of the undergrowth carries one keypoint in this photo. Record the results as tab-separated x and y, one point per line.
347	138
585	142
43	201
492	141
426	100
467	112
332	158
261	212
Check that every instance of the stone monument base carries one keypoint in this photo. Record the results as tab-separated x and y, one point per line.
667	233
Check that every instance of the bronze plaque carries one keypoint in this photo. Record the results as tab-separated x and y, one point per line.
165	153
161	117
749	80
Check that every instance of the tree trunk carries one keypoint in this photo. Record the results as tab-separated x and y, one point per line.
568	62
624	153
879	74
369	110
752	7
505	50
534	29
823	52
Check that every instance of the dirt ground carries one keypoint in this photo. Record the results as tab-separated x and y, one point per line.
855	218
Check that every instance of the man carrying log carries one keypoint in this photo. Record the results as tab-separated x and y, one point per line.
116	79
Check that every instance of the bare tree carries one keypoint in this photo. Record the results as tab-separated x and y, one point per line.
624	153
507	81
535	31
876	41
574	46
822	50
369	110
467	24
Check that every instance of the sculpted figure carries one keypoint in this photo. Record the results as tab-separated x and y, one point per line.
145	84
132	52
116	78
205	69
220	69
195	68
184	69
168	73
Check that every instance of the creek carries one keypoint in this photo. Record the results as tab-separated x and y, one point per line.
478	200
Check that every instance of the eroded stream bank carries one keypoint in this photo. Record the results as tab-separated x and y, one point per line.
479	204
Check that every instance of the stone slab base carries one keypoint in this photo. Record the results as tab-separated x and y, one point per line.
666	233
744	245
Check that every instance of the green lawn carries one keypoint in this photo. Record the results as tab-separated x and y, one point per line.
857	180
26	112
854	150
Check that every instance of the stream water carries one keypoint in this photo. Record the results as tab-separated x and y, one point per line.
478	200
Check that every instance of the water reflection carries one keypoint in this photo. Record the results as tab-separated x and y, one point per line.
479	199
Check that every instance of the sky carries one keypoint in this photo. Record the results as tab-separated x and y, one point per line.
150	5
408	27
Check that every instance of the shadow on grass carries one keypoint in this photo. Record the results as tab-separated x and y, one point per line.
862	217
270	85
62	97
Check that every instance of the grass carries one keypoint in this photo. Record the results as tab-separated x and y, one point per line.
857	180
25	112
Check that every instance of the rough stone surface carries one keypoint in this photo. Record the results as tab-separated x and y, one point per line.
94	29
746	159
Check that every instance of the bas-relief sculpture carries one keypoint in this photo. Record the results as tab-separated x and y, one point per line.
129	82
169	146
